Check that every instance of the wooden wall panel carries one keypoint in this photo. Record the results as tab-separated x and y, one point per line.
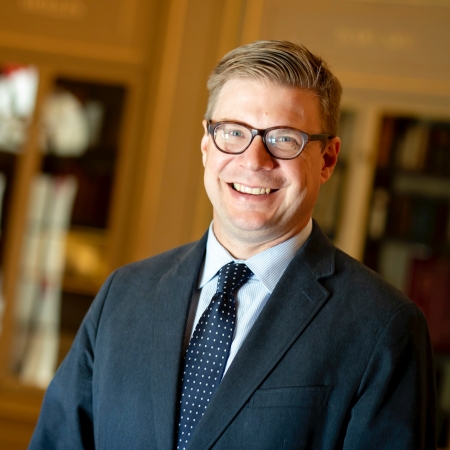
101	29
371	43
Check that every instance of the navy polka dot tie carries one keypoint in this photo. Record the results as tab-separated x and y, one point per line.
208	350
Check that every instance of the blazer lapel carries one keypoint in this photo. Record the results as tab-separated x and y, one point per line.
171	306
293	305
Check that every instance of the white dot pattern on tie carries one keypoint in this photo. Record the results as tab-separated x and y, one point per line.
208	350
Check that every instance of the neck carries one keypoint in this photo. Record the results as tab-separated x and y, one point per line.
243	247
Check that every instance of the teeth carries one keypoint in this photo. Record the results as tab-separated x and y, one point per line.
249	190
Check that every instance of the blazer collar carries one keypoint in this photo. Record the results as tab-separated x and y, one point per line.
170	304
318	253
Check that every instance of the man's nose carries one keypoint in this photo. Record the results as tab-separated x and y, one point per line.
256	157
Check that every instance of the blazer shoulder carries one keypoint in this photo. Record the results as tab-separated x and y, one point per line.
157	266
131	287
347	276
360	283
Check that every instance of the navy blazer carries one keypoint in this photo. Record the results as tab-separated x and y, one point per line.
338	359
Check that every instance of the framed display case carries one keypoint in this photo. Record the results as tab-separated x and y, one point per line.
408	238
62	162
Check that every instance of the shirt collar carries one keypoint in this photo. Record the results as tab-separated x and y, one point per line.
268	266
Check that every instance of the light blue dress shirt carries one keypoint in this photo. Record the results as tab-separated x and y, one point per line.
267	267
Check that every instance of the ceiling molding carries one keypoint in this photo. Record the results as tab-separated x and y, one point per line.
68	47
440	3
392	83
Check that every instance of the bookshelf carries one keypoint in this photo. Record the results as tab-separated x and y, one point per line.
65	173
409	222
63	260
408	237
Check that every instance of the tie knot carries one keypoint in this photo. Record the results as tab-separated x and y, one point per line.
231	276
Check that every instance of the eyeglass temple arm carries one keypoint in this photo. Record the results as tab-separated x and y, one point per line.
320	137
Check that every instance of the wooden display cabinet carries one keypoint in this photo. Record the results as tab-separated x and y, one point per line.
62	213
408	239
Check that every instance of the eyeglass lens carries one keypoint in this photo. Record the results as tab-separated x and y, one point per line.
234	138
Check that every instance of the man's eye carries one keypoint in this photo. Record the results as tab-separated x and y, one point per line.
233	133
284	139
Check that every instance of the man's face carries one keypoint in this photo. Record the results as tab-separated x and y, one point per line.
247	223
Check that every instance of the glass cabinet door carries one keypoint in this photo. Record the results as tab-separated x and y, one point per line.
64	248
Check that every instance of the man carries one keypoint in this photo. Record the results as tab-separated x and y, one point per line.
315	351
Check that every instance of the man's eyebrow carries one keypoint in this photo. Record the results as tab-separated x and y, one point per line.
235	121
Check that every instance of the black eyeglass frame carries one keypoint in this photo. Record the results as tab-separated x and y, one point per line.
211	127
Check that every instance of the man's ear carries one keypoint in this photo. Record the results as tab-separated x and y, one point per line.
204	143
329	158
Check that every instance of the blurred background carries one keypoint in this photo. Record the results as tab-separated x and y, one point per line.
100	125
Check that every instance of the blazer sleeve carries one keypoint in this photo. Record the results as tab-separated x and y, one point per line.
65	421
396	401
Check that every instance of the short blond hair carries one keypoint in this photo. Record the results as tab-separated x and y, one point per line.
283	63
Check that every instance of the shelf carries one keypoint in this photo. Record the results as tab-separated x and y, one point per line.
66	213
408	239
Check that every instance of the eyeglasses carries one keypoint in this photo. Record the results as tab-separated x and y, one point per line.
281	142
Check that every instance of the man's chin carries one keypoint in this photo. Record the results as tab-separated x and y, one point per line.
250	228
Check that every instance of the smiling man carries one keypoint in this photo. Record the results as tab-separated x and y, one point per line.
264	189
262	335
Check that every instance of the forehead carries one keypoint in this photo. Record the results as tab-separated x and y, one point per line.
263	104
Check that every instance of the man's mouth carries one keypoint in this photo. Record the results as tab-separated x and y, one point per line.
249	190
